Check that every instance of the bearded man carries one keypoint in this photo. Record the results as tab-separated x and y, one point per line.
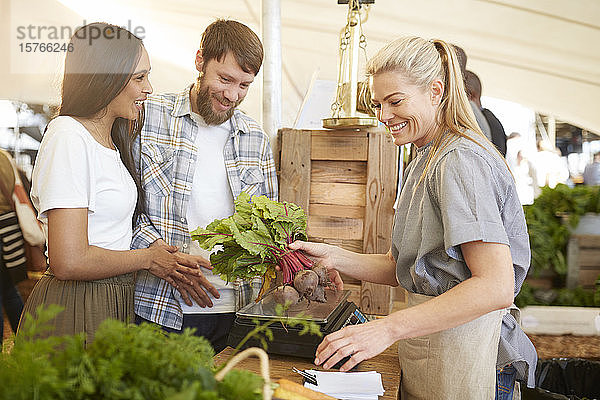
197	151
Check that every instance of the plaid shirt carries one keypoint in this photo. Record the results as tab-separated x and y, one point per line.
166	154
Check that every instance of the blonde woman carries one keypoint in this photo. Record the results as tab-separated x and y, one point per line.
459	245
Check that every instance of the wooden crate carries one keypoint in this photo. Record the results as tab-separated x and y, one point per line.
346	181
583	258
561	320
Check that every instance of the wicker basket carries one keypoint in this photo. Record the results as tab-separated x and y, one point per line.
264	368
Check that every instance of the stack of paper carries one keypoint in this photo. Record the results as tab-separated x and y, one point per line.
348	385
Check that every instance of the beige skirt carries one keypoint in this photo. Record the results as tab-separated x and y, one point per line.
86	303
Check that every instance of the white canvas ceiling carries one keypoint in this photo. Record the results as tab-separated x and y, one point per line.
543	54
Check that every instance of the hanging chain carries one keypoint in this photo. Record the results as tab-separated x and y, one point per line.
345	37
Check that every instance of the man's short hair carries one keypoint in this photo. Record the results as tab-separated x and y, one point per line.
472	85
462	59
224	36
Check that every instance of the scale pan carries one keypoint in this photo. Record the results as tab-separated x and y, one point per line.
315	311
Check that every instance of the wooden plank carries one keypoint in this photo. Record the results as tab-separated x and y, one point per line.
339	171
347	194
334	227
588	257
354	289
375	299
386	363
382	172
352	245
399	294
339	146
351	281
587	277
294	179
335	210
588	240
382	175
572	262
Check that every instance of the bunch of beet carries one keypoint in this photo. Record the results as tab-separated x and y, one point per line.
307	284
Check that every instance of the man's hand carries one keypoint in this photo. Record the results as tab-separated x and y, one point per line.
188	279
196	286
192	261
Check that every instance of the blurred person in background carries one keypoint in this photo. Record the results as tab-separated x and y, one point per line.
473	88
550	168
525	179
591	174
479	117
514	144
12	251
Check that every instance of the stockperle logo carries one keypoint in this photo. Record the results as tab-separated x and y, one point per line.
51	33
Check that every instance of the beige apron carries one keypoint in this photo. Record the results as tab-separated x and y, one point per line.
458	363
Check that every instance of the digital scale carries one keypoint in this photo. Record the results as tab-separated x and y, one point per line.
331	316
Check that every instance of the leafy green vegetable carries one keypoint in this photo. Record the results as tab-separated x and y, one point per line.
548	235
236	383
254	240
530	296
123	362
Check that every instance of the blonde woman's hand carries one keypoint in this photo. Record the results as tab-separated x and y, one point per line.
359	342
320	253
336	279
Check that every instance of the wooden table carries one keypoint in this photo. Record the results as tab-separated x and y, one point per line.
281	367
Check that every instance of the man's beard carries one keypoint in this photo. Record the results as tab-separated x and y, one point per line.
204	105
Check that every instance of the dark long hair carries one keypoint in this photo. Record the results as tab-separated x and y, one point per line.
102	60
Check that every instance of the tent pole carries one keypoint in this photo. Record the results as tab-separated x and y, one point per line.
271	89
552	130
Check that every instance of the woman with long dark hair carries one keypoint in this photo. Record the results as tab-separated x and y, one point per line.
86	190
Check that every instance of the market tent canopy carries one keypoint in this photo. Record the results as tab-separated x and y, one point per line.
542	54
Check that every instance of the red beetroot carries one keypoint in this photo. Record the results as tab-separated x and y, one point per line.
321	272
319	294
305	282
286	294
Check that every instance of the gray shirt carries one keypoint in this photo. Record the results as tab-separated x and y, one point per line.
468	194
591	174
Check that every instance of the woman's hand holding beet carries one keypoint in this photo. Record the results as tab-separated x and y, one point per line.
321	255
335	279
